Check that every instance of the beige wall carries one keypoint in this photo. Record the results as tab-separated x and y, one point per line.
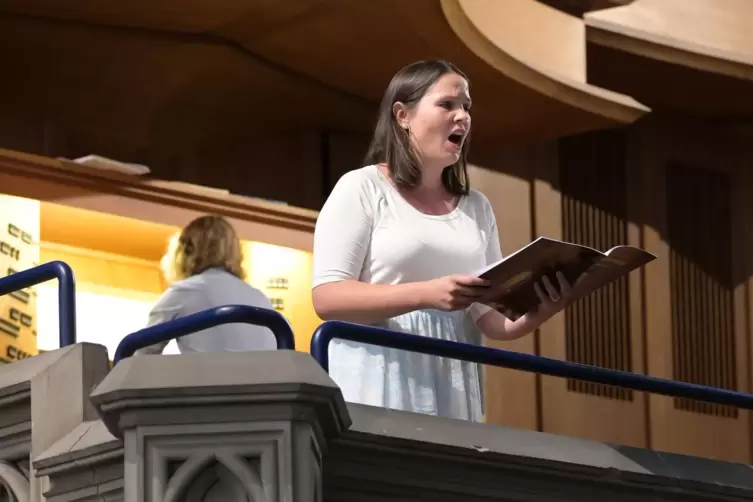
685	316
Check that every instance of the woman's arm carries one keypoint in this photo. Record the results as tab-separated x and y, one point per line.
496	326
355	301
362	303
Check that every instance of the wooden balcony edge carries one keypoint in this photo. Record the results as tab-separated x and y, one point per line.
179	194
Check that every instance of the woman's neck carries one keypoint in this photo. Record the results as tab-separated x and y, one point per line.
431	183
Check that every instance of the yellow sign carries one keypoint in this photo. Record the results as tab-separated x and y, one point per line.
19	250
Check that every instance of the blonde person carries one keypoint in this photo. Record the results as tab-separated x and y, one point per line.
203	267
395	246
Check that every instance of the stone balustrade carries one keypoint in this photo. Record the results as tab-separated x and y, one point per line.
273	427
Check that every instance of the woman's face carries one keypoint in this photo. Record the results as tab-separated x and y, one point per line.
439	123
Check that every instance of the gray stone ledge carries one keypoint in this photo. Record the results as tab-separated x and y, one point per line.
431	451
89	443
152	388
16	377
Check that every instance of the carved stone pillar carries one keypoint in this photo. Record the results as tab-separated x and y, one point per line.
226	426
42	399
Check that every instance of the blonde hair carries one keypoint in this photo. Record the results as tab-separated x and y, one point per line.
207	242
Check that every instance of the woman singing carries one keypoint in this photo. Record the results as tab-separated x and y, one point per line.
394	246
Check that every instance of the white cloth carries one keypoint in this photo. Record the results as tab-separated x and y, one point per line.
214	287
367	231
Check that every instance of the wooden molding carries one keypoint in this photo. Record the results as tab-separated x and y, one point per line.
176	194
650	45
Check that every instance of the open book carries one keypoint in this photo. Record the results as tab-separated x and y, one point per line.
513	277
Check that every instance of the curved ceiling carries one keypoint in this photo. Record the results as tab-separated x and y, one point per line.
134	76
693	57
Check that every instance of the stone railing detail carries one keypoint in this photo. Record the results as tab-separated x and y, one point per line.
14	484
85	464
50	391
229	426
273	427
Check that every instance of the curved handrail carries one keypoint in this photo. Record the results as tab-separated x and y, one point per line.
66	293
209	318
330	330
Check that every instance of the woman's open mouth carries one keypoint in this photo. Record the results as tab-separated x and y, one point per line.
456	139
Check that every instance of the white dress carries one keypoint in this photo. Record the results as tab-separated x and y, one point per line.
369	232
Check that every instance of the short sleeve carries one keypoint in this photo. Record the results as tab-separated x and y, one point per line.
343	231
493	253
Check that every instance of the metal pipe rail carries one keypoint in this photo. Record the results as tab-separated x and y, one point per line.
59	270
515	360
209	318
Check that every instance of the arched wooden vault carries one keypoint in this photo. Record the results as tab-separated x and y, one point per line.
134	79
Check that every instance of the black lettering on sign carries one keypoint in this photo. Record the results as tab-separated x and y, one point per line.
9	250
8	327
21	296
18	316
26	320
16	354
17	232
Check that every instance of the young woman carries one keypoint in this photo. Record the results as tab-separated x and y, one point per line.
203	267
394	246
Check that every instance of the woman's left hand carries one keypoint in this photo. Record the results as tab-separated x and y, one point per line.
553	298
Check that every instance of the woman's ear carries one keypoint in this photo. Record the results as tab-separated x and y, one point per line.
400	111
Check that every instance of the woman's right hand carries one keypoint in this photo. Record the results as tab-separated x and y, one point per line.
452	292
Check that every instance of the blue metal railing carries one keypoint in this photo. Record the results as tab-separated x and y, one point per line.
207	319
516	360
66	293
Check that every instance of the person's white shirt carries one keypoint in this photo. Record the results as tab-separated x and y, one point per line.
368	232
214	287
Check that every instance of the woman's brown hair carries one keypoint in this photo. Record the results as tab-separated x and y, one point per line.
207	242
391	144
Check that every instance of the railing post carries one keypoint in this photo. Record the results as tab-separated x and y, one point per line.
66	293
209	318
253	425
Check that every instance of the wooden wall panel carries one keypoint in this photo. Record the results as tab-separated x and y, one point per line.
581	195
701	282
259	166
696	292
256	166
594	213
512	397
344	152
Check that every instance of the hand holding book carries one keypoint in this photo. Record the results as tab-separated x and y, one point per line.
516	281
453	292
552	298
